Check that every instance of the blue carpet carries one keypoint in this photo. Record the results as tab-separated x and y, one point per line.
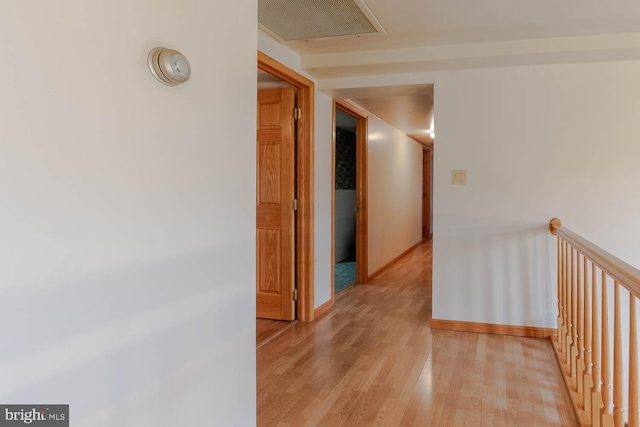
345	275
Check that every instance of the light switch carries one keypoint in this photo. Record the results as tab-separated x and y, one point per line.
459	177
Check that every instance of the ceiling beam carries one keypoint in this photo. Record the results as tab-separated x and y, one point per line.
575	49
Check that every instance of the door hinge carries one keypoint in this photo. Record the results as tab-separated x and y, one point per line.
295	295
294	204
297	113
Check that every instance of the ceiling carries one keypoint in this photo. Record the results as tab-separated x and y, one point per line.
413	23
441	35
411	113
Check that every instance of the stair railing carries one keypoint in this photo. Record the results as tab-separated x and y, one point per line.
586	276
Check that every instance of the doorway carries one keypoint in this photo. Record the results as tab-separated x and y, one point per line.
284	197
349	201
345	166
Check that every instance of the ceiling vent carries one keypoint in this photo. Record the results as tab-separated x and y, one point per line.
311	19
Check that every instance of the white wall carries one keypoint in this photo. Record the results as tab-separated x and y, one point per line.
127	210
537	142
279	52
394	168
323	138
323	185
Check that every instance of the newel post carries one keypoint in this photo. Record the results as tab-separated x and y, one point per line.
553	224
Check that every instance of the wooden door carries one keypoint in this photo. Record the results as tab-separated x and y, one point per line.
275	226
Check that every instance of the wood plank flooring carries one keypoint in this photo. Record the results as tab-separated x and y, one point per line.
267	329
374	361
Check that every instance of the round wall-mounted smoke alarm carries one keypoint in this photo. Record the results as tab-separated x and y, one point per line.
169	66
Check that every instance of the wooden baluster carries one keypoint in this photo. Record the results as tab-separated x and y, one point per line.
595	358
596	391
569	306
560	277
586	374
565	305
580	317
618	368
634	417
574	314
606	412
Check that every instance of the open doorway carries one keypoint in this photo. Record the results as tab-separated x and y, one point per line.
345	166
349	201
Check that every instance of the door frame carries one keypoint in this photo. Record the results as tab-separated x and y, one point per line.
304	182
362	233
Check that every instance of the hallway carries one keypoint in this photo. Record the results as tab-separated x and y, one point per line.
373	360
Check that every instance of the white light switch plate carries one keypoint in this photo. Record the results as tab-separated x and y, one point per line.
459	177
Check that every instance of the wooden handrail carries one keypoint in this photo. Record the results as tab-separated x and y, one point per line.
584	347
623	273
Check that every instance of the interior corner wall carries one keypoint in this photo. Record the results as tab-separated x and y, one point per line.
394	169
127	214
538	142
323	137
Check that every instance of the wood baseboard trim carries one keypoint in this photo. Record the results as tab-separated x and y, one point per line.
491	328
393	261
323	309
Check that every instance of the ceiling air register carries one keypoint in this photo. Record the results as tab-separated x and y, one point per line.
311	19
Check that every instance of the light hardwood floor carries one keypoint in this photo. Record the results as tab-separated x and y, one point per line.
374	361
267	329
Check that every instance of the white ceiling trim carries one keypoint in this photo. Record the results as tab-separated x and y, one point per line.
607	47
